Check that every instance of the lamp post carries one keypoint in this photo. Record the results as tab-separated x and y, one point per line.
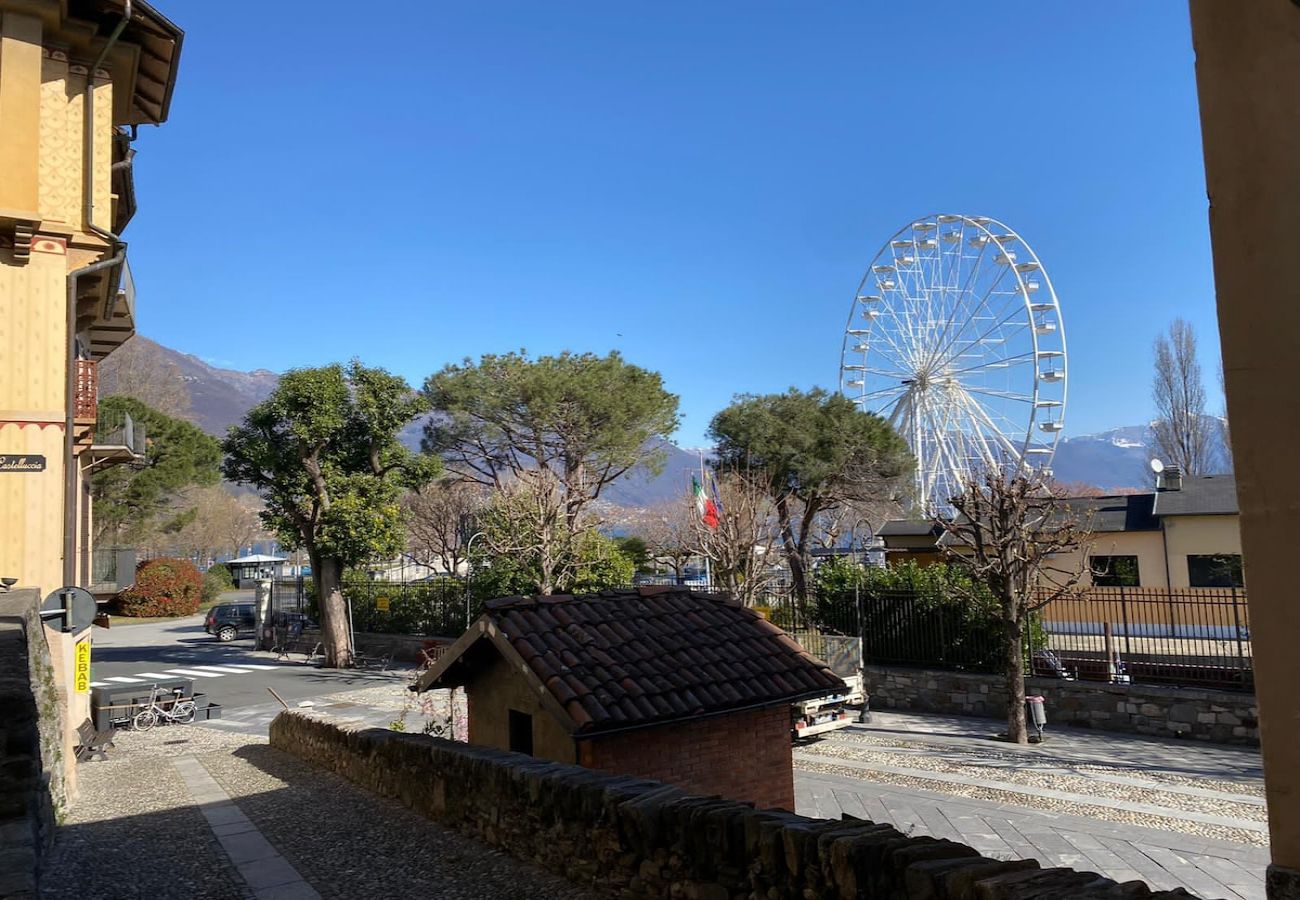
469	572
864	714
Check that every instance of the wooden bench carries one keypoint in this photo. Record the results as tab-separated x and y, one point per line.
93	742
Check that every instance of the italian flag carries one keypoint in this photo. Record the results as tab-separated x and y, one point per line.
707	509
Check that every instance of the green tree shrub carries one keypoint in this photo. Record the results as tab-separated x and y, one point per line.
213	586
923	615
221	571
163	587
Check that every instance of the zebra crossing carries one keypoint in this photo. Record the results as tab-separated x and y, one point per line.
195	671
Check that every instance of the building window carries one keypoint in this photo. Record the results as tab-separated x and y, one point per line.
1214	570
1114	571
521	732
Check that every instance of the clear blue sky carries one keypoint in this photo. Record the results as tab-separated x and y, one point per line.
697	185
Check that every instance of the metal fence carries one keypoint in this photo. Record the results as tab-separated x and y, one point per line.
437	608
1197	637
1185	636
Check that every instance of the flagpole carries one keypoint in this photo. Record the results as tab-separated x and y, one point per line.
708	570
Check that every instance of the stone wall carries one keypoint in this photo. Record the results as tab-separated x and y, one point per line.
402	647
620	836
33	778
1222	716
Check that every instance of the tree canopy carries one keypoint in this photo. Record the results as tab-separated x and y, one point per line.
130	501
560	428
814	450
323	450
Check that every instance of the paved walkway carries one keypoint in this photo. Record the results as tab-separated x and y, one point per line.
213	813
1171	813
210	811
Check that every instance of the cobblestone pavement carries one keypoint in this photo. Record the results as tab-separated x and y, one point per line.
1171	813
215	813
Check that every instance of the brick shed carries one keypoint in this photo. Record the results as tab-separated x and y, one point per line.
658	682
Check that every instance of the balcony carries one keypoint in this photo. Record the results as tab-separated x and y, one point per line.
111	570
117	445
85	401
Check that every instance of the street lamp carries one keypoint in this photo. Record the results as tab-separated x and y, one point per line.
469	572
864	714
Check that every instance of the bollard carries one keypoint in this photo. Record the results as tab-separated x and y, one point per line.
1036	713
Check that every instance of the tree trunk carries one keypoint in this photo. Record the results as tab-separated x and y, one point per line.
1017	733
335	633
793	552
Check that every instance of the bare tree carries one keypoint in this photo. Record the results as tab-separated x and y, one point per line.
218	522
527	534
438	520
745	546
1225	433
1011	534
1182	433
669	533
138	369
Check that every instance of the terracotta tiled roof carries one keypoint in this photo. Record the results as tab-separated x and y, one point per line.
633	657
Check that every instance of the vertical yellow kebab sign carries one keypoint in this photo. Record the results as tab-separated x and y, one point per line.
81	667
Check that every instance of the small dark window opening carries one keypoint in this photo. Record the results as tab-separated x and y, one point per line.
1214	570
521	732
1114	571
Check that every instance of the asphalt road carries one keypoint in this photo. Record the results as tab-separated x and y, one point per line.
232	674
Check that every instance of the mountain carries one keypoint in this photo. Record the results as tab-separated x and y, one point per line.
1109	459
212	398
216	398
1120	457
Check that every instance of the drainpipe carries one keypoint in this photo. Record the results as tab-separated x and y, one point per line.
119	256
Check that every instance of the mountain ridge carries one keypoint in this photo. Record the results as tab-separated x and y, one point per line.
1116	458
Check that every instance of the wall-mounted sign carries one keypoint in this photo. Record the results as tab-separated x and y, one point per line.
81	668
22	462
381	604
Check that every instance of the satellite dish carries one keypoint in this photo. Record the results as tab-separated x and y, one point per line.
1157	466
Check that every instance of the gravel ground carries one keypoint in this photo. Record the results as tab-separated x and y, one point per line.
1253	787
350	843
1017	773
135	835
1071	807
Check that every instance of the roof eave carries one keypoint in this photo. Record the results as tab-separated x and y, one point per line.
711	714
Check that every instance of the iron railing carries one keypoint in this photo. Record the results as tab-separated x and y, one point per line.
1186	636
1183	636
85	397
129	434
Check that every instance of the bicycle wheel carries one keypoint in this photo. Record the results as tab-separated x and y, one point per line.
144	720
184	712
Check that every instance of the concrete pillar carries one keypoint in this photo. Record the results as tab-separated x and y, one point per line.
262	610
1248	77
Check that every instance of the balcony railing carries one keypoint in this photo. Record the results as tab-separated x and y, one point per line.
85	398
129	435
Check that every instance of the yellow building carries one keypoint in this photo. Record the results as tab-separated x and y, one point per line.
76	79
1183	535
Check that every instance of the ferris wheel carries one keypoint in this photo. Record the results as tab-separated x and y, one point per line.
955	337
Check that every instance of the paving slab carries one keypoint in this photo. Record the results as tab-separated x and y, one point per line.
1197	792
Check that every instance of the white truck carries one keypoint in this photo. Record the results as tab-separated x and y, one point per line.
813	717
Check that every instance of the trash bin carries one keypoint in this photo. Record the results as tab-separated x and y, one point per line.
1036	713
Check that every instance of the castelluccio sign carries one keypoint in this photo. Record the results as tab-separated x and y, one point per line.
23	462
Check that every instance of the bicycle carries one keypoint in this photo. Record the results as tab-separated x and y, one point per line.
180	710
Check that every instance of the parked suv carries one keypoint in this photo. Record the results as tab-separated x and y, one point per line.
227	620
